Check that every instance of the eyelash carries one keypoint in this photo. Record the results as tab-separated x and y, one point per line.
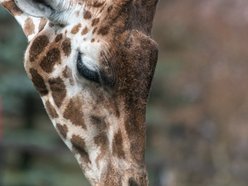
85	72
95	75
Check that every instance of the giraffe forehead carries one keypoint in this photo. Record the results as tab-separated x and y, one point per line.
78	36
83	31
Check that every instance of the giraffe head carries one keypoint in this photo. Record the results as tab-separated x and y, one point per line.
92	62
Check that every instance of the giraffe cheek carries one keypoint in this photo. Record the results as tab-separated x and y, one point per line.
74	114
118	146
132	182
66	47
38	82
51	110
37	47
51	58
80	148
62	129
58	90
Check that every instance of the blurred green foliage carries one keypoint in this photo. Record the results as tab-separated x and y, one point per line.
14	82
31	144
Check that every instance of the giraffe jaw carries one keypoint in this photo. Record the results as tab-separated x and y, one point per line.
96	149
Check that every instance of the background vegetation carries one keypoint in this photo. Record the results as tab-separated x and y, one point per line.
197	120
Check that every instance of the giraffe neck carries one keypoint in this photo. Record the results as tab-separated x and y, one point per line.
119	168
125	174
106	149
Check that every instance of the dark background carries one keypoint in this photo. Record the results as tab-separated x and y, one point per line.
197	119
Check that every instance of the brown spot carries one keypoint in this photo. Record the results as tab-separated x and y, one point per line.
52	57
101	140
37	47
94	30
96	120
11	6
132	182
103	8
67	73
42	24
62	130
29	27
76	28
97	4
99	122
103	30
38	82
110	8
113	177
135	129
79	145
118	145
58	90
66	46
73	112
87	14
58	37
95	21
92	40
51	110
85	31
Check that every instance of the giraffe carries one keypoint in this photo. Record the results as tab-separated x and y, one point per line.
92	62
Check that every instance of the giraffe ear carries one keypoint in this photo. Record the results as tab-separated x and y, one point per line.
41	8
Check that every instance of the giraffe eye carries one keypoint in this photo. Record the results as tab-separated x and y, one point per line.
86	70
